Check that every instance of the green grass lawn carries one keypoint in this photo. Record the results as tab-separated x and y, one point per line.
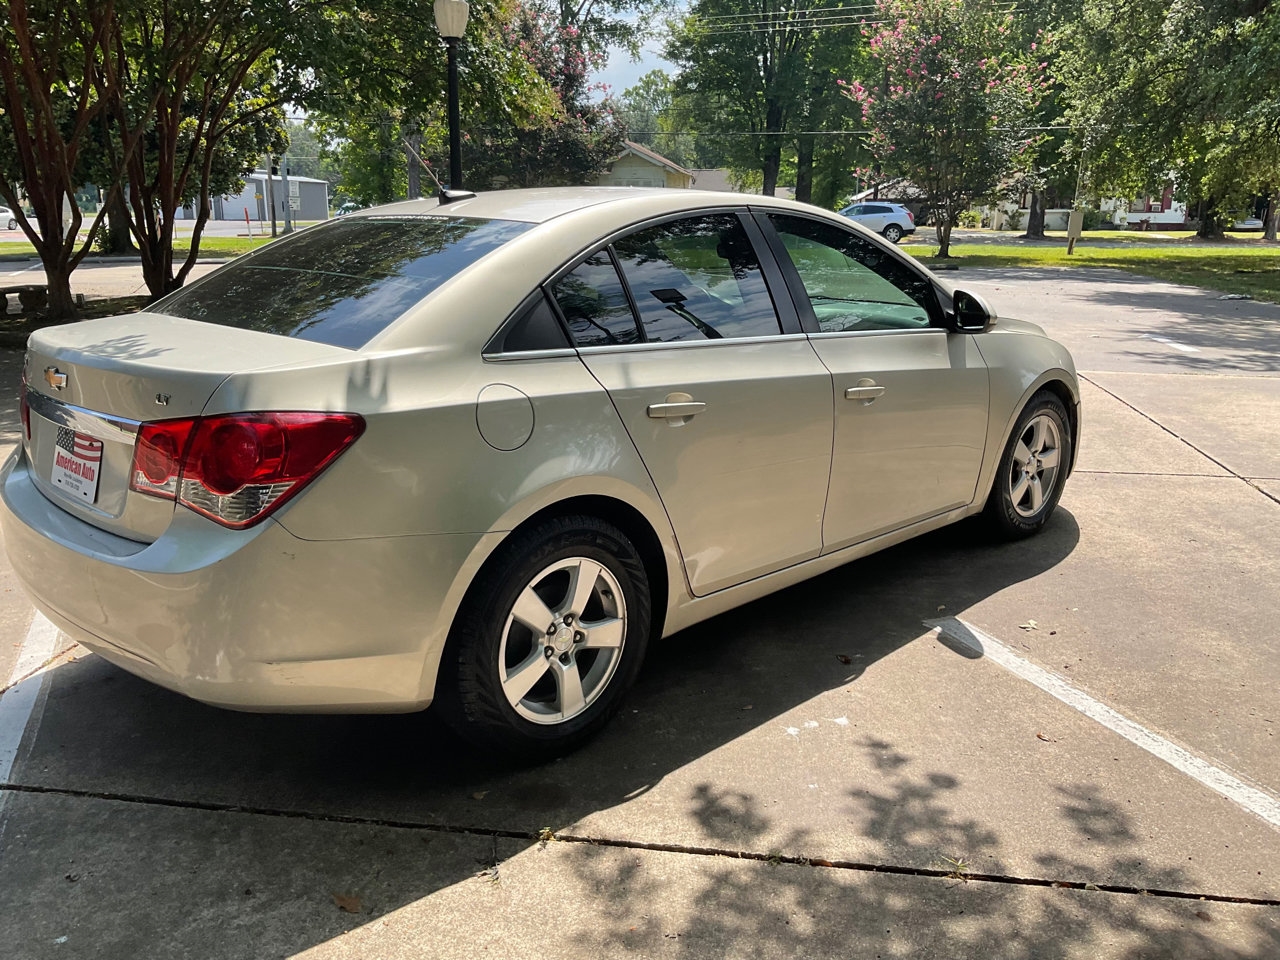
1154	236
1254	270
209	246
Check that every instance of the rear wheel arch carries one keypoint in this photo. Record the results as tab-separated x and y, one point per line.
473	690
628	520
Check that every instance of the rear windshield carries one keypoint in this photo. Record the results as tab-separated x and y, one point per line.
341	283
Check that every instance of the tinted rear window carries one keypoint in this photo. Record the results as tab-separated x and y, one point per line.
341	283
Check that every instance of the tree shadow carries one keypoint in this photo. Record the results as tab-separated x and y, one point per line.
1241	335
774	909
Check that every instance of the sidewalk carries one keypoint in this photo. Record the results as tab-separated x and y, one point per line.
97	277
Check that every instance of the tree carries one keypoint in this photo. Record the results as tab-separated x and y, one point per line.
378	97
577	140
220	79
1050	175
645	112
368	153
764	74
658	116
1161	90
952	109
308	155
59	68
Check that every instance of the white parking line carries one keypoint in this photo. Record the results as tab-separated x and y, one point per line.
19	699
1256	801
1168	342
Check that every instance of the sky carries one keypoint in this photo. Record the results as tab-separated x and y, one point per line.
622	73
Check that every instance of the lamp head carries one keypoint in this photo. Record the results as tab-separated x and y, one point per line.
451	18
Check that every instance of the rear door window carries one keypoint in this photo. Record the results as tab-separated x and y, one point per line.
595	304
341	283
697	278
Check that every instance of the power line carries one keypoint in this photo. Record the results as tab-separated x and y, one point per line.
783	13
842	13
835	22
820	13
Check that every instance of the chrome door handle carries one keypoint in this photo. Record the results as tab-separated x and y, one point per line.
865	390
667	411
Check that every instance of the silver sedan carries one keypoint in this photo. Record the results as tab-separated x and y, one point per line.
480	452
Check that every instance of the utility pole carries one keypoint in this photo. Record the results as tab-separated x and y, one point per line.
412	143
288	200
271	191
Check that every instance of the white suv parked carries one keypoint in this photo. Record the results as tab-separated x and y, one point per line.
6	217
893	221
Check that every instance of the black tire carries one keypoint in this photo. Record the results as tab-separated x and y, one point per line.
487	642
13	224
892	233
1012	518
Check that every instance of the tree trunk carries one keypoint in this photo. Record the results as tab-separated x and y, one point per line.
61	304
773	117
1210	227
804	169
772	161
118	238
1035	217
944	237
1271	219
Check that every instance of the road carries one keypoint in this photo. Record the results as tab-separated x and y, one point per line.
1081	762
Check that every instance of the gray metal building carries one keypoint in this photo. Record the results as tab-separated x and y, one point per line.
307	197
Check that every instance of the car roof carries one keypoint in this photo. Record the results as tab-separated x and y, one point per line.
541	204
565	223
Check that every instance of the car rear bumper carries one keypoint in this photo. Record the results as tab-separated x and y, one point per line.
252	619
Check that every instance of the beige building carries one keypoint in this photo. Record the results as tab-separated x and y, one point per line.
638	166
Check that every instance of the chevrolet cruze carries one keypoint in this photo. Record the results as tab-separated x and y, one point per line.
478	452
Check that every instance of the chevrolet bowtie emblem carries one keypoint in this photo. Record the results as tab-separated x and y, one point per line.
55	378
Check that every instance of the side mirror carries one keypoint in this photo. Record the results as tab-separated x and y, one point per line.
970	313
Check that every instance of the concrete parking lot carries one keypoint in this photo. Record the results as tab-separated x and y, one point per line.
1065	747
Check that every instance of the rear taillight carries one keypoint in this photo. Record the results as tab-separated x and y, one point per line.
238	468
911	216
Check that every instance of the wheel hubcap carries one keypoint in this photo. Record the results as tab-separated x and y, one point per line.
562	641
1036	461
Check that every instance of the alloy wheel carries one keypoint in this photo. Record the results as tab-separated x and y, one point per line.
1037	459
562	641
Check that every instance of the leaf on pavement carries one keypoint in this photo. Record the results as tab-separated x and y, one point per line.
347	903
1041	736
844	658
1029	625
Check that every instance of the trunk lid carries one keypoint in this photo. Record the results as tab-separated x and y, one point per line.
90	384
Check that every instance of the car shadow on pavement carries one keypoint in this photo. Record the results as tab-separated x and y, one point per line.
154	821
159	799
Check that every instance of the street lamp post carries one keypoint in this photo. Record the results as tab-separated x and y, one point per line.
451	22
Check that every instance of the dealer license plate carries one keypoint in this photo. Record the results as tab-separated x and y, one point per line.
77	460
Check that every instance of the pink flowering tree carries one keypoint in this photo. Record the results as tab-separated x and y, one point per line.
951	108
581	134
